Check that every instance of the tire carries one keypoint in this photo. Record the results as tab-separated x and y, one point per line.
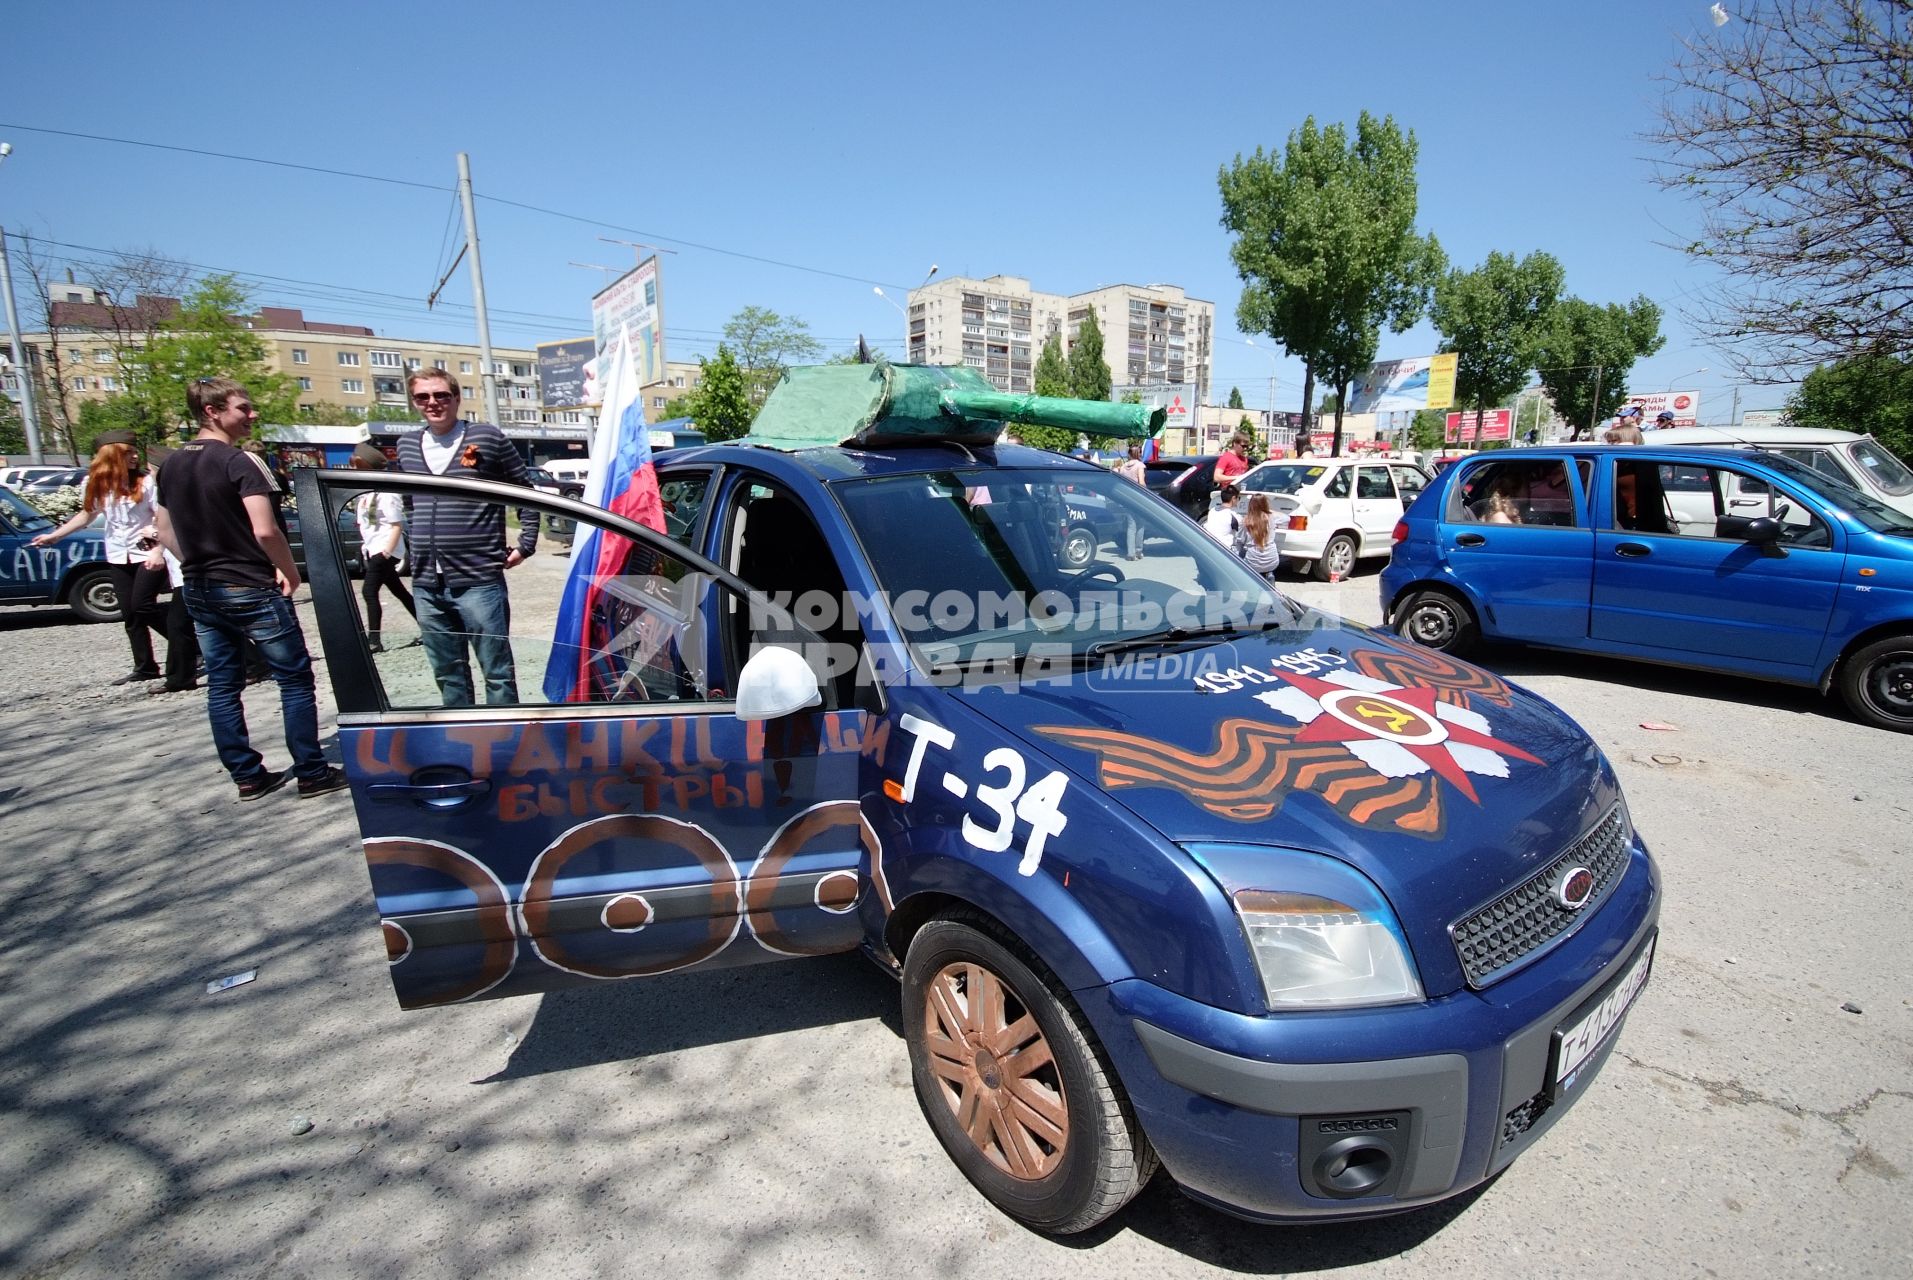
1078	548
1337	558
93	596
1060	1149
1877	683
1437	620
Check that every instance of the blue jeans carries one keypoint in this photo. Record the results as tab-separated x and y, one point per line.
224	617
457	620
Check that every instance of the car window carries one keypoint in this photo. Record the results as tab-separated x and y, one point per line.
1888	472
1287	477
20	515
683	495
1689	501
616	621
1373	483
1339	484
1818	459
1526	491
1411	482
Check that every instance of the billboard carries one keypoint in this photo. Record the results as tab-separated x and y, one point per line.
1178	398
1496	424
634	303
1396	386
1684	405
561	372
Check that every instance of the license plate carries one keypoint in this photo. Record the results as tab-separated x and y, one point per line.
1577	1042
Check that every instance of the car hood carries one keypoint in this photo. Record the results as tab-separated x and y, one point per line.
1441	782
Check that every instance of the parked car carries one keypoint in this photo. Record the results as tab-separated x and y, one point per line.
14	477
71	571
545	482
1332	512
51	481
1860	460
1185	483
1739	561
1325	924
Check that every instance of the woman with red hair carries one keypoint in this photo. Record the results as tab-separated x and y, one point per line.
118	488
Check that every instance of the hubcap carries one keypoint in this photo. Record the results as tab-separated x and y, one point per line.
994	1068
1892	681
1341	557
1431	625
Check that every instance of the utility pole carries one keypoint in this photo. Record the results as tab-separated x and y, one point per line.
1594	414
24	370
478	289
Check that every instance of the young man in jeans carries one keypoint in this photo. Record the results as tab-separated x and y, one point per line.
459	556
216	515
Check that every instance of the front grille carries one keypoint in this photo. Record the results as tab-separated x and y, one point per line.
1497	939
1523	1117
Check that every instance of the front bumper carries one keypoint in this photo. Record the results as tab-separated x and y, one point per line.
1241	1108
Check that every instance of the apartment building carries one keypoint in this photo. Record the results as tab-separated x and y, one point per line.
1153	334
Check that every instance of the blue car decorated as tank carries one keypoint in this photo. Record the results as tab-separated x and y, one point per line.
71	571
1173	871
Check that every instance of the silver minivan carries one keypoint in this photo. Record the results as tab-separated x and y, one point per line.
1860	460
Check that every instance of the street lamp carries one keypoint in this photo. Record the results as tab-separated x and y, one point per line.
878	290
28	417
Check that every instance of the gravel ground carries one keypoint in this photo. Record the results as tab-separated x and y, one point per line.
1757	1119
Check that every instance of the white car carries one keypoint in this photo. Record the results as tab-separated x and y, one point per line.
1332	512
1860	460
15	477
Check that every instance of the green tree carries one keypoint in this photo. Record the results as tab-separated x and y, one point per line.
1235	398
721	405
1494	319
1326	248
1585	353
96	416
205	338
1088	373
684	406
1872	393
13	429
1429	431
1246	427
1051	378
765	344
327	413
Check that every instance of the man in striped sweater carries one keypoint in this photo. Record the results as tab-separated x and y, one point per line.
458	548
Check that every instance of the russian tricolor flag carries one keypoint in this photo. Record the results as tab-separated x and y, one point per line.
583	666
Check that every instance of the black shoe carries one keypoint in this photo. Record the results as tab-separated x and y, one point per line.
333	779
136	675
173	688
262	785
375	647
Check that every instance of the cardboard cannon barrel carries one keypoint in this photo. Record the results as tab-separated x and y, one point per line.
873	405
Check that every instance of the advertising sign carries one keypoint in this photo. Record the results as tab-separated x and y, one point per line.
1684	405
632	303
1441	380
1392	386
561	372
1177	398
1763	418
1496	424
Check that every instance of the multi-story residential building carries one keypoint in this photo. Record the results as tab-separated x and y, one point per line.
1153	334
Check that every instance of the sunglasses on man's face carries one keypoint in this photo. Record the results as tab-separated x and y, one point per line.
434	397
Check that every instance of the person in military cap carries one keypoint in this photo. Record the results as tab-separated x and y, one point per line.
381	519
119	490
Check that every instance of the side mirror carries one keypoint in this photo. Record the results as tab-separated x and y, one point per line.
776	682
1762	531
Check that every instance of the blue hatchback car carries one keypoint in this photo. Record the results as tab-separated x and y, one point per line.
1736	561
1172	871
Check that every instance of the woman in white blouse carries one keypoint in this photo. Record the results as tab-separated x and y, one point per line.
118	488
382	544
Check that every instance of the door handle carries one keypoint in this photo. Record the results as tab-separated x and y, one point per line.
1633	549
1470	540
439	795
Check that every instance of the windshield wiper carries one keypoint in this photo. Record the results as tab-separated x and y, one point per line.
1179	635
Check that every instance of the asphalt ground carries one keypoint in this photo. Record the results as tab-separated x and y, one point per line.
1757	1119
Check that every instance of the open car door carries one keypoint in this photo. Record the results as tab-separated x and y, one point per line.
605	812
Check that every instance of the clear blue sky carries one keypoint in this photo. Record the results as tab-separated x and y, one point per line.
1075	144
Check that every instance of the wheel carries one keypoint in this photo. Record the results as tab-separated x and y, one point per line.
1079	547
94	597
1877	683
1014	1085
1337	559
1437	620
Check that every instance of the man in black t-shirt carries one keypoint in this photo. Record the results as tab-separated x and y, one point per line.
217	515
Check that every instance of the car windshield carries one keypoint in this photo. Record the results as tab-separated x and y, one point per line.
1886	471
1287	477
23	514
979	566
1868	510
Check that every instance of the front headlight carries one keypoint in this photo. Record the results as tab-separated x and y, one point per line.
1315	952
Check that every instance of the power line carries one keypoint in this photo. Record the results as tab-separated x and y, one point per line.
427	186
